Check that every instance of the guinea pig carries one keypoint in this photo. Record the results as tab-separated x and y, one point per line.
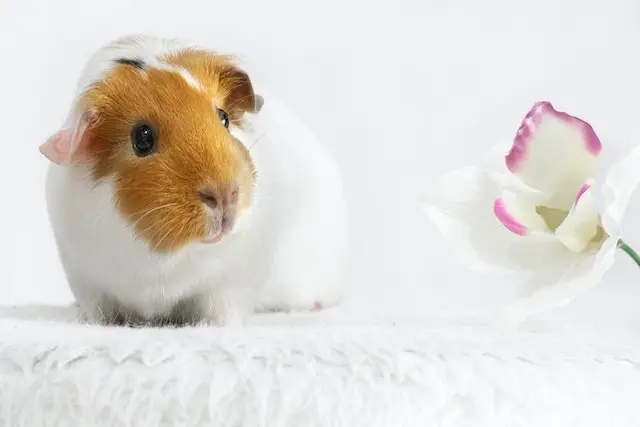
179	194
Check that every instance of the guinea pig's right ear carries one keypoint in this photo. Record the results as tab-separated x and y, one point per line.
63	147
241	98
259	103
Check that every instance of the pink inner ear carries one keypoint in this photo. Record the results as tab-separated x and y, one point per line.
61	146
58	146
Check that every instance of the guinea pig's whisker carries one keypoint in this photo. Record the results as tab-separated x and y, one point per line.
256	141
152	226
131	188
149	211
171	230
134	192
160	225
102	315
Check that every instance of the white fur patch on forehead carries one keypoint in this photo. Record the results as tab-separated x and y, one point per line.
144	49
143	66
193	82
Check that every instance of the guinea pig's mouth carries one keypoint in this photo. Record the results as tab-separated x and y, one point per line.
217	231
213	237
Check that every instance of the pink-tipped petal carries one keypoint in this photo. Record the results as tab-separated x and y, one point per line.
581	225
582	190
554	152
503	215
517	212
460	204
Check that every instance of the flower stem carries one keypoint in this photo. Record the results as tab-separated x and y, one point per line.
626	248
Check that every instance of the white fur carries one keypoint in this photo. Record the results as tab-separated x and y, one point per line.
286	252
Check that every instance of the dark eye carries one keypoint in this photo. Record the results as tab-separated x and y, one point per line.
224	118
143	140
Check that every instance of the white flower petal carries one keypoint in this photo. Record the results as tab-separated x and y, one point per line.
461	205
581	225
561	284
554	153
621	182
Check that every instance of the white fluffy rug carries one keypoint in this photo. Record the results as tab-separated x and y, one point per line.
327	370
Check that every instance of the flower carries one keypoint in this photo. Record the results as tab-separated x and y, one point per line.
538	211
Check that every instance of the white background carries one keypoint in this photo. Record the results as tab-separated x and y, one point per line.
402	91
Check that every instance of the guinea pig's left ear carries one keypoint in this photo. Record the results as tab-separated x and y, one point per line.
63	146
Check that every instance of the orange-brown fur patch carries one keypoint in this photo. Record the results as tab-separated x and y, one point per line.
233	90
159	194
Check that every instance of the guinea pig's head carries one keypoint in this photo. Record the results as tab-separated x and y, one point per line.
160	135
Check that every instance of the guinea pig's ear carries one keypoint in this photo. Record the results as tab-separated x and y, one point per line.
63	146
259	102
241	97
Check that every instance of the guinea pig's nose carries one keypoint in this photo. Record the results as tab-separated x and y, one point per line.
209	198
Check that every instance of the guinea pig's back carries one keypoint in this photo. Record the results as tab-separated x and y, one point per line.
288	156
300	188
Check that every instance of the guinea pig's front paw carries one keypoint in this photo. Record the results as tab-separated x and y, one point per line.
221	310
229	319
98	316
98	309
107	313
282	307
211	322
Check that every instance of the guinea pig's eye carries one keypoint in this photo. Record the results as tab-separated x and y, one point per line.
224	118
143	140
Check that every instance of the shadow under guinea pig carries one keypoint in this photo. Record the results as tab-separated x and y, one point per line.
72	314
178	317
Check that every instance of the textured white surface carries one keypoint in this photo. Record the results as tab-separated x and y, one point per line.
327	370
